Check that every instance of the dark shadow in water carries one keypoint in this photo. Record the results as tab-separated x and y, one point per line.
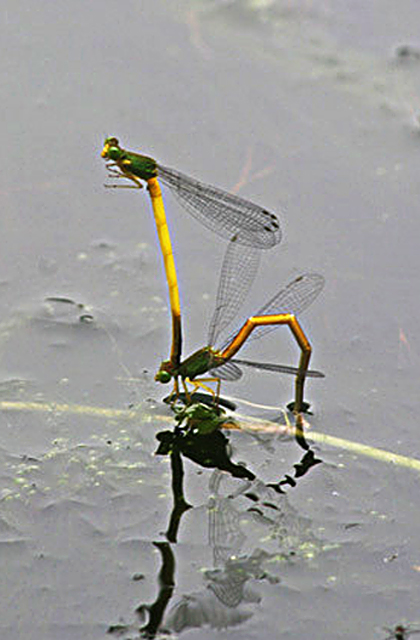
166	580
226	596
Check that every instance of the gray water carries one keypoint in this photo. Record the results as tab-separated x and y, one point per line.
312	109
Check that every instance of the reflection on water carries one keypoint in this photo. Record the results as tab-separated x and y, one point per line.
252	531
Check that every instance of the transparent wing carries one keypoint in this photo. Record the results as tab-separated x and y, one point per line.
276	368
228	371
294	298
222	212
238	272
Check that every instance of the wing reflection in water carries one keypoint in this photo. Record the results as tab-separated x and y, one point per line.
252	531
234	526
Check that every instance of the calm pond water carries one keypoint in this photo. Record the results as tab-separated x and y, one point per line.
312	109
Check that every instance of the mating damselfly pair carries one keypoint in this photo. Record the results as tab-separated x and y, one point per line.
249	229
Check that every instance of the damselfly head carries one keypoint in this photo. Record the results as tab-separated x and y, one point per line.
164	375
111	149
